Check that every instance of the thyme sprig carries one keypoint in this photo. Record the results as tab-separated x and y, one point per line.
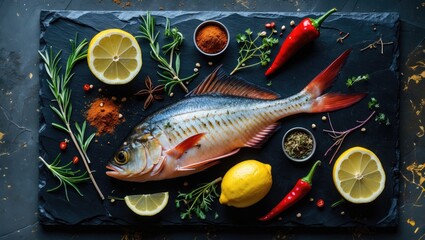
170	67
380	117
249	48
65	175
351	81
199	200
59	86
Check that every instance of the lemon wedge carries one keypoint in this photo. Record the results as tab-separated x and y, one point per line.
358	175
114	56
147	204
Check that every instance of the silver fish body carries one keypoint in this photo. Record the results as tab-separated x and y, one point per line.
190	135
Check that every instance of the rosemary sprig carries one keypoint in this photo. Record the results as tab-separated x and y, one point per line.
171	67
65	175
249	48
59	86
199	200
84	143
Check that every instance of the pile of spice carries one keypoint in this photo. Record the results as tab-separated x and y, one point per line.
104	115
211	39
298	144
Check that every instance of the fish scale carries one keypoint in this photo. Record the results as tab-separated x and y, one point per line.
220	116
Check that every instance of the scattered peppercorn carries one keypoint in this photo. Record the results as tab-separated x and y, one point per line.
87	87
283	28
298	215
320	203
75	160
363	129
324	118
313	126
268	25
292	23
63	145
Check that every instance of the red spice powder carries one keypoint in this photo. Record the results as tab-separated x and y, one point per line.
104	114
211	39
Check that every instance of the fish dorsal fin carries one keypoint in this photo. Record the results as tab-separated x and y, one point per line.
219	82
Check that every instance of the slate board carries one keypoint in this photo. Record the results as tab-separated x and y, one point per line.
57	27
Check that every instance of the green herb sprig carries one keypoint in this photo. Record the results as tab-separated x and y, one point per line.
249	48
380	117
351	81
199	200
65	175
170	67
59	86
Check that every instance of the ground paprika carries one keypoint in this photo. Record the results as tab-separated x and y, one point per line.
211	39
104	115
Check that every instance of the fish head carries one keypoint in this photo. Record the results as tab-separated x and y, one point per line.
136	157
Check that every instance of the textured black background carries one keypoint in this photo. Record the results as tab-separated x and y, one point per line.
59	27
19	87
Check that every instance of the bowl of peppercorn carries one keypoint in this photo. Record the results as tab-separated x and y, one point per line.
299	144
211	38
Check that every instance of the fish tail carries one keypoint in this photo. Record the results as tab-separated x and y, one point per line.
334	101
324	79
331	101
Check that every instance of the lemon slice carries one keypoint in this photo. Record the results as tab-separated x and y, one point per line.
114	56
358	175
147	204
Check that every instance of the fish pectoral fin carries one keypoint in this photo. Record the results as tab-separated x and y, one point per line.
201	165
262	136
186	144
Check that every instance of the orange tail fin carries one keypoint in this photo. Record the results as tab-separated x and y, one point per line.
334	101
324	79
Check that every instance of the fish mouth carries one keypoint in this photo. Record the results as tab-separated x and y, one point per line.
114	171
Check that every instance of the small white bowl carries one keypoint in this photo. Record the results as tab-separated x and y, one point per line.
299	129
213	23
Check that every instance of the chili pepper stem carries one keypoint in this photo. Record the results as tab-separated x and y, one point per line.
317	22
309	176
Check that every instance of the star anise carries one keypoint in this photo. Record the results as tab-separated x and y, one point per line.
150	92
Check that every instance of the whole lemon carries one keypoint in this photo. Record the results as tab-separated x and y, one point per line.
246	183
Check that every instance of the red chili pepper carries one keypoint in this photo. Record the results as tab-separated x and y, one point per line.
320	203
305	32
301	188
75	160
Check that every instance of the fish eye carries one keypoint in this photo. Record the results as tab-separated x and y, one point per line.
121	157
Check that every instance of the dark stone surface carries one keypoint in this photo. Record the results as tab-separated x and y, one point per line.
19	88
59	27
